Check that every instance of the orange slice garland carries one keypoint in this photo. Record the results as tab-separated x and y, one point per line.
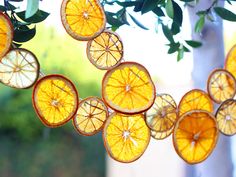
128	88
19	69
91	116
83	19
226	117
163	113
195	136
126	137
195	100
6	34
105	51
221	85
55	100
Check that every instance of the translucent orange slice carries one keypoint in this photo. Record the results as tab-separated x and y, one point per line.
195	100
126	137
221	85
230	61
91	116
163	113
105	51
128	88
19	69
6	34
55	100
161	135
226	117
195	136
83	19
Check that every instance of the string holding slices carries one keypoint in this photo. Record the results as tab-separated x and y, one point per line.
84	19
221	85
105	51
55	100
230	61
91	116
128	88
126	137
226	117
195	100
162	115
19	69
195	136
6	34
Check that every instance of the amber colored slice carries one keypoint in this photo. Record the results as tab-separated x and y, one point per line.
195	136
226	117
83	19
55	100
221	85
126	137
230	61
161	135
128	88
91	116
105	51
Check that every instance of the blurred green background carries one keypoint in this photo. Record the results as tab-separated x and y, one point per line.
27	147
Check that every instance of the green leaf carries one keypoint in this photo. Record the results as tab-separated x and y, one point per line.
32	8
127	3
3	8
138	6
169	9
168	34
158	11
24	34
113	21
225	14
200	24
39	16
180	54
148	5
173	47
175	28
194	44
138	23
178	14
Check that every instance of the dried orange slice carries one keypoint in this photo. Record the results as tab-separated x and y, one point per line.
195	136
105	51
128	88
83	19
163	113
91	116
195	100
6	34
126	137
226	117
55	100
221	85
161	135
19	69
230	61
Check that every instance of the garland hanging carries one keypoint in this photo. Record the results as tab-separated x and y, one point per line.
130	111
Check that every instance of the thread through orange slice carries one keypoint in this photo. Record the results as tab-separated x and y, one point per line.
163	113
221	85
226	117
19	69
91	116
195	100
105	51
83	19
6	34
195	136
55	100
128	88
126	137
